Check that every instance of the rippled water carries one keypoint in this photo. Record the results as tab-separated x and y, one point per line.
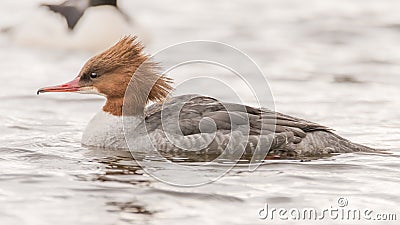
333	62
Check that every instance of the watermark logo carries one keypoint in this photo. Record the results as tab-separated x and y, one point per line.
342	202
187	124
340	211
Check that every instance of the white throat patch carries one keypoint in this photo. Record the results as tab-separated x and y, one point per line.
90	90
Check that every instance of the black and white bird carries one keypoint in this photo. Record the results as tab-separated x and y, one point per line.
73	10
75	24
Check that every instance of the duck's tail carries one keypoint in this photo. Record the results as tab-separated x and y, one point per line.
326	142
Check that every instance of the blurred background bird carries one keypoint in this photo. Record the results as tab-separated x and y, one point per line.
90	25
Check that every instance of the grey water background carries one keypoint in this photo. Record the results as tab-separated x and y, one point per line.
333	62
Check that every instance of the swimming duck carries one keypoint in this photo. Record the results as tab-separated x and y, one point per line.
128	80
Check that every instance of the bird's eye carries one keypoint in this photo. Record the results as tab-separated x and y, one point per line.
93	75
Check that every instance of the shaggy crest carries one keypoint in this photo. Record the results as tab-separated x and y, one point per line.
134	67
127	53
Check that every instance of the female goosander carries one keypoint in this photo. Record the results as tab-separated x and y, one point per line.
90	25
124	75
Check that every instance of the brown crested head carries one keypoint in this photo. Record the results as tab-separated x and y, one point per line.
112	71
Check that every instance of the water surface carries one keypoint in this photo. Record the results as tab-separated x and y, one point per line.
332	62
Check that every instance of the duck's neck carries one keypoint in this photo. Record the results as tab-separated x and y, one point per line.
117	107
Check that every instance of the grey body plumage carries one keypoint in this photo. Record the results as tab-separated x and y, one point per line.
201	119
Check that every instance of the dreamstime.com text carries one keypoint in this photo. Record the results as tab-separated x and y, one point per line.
339	212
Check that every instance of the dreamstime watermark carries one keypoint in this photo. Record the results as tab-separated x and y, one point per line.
341	211
191	125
